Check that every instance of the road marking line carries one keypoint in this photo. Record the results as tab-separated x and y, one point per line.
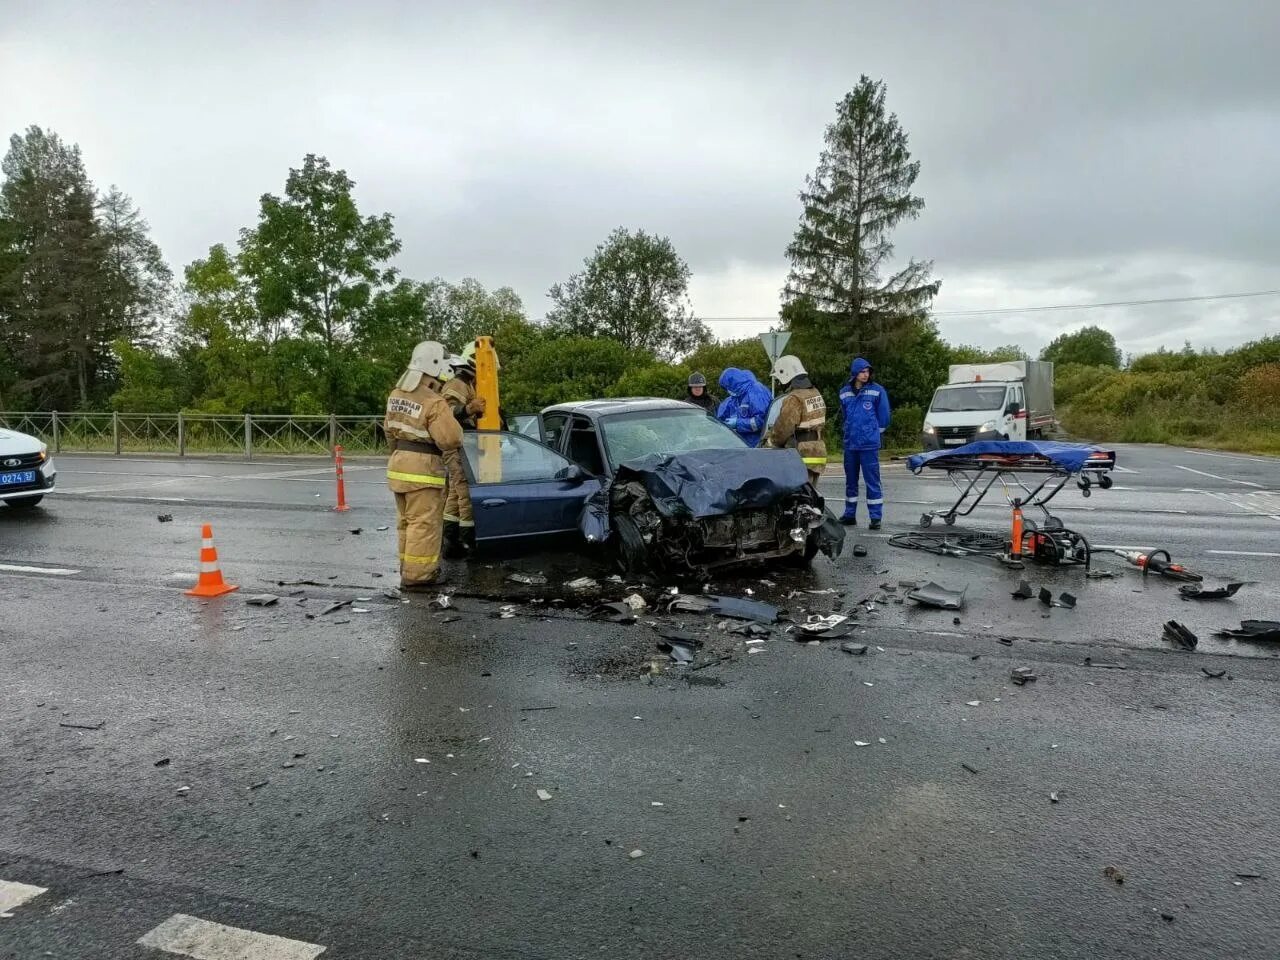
1244	553
205	940
1246	483
13	894
1120	546
1120	469
1226	498
1230	456
51	571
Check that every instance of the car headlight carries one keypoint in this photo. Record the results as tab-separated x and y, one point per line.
44	452
928	428
988	427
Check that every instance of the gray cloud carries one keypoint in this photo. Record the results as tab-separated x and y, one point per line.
1070	153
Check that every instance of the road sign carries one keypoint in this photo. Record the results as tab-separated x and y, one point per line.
775	342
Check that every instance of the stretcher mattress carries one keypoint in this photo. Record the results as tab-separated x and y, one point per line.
1015	454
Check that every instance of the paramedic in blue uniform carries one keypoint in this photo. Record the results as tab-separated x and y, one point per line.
865	406
745	409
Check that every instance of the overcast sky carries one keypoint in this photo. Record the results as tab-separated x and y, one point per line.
1070	152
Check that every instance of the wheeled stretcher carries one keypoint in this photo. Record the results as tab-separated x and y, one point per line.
1031	473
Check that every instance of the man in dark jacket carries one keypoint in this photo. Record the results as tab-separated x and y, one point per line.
865	406
696	393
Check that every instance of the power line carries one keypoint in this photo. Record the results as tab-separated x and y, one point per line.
1045	308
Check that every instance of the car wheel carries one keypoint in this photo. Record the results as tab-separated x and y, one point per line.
24	503
633	555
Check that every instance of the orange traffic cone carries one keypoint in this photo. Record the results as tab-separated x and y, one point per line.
210	583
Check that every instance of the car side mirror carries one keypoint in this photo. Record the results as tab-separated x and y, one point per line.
572	473
1013	409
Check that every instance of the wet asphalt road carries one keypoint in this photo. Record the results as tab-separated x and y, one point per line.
766	829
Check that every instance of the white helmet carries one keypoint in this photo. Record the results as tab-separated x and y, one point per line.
428	359
786	369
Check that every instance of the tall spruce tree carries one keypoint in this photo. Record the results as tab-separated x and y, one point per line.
859	192
52	271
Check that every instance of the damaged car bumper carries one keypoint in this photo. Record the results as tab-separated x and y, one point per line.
712	509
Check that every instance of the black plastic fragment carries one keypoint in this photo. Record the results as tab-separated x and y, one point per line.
1193	591
1024	591
614	613
859	550
1067	600
1253	630
856	649
1179	634
934	595
1213	674
1022	675
1046	597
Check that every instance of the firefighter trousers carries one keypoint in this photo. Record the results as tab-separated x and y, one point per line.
419	526
457	504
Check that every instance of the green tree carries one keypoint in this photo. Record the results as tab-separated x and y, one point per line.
53	271
860	191
963	353
316	264
566	368
137	283
634	289
1091	346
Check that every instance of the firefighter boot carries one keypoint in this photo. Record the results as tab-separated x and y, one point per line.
468	539
454	548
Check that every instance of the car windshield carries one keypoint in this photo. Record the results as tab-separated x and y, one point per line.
633	435
961	399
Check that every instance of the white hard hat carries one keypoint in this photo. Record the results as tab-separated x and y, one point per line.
428	359
786	369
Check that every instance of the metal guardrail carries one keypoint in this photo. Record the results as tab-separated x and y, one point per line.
183	434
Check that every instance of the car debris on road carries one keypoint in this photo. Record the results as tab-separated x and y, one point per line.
1175	632
1268	630
1194	591
935	595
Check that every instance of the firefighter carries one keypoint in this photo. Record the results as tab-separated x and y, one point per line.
865	406
696	393
801	417
745	409
423	435
467	408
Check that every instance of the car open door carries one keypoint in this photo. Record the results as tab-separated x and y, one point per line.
520	488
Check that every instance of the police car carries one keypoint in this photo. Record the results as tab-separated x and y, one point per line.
27	472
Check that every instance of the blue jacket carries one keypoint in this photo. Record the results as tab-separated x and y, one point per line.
866	411
747	405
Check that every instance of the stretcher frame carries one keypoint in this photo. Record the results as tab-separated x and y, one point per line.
974	475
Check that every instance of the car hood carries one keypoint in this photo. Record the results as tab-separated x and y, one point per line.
12	442
710	483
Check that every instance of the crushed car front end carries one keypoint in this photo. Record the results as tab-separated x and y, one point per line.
713	509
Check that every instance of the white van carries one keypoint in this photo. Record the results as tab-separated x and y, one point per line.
991	401
27	472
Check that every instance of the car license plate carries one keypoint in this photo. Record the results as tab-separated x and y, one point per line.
953	441
16	479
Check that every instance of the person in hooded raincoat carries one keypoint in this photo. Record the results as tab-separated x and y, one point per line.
865	406
746	407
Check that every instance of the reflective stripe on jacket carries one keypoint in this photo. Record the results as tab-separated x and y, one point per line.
422	415
803	412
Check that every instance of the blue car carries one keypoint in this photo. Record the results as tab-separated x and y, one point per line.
660	481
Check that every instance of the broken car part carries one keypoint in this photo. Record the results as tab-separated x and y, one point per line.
934	595
735	607
529	579
1179	634
1024	591
1268	630
614	613
1193	591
